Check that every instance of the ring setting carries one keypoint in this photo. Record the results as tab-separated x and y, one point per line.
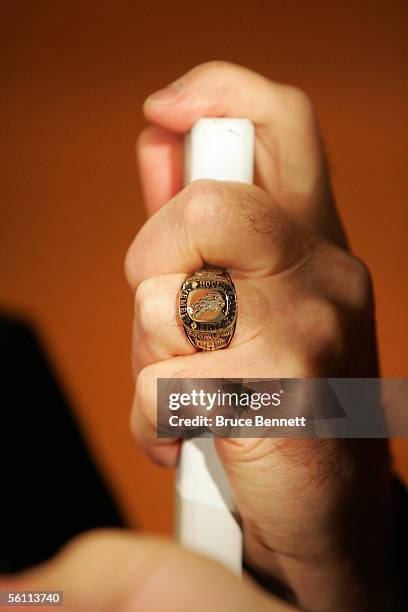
208	308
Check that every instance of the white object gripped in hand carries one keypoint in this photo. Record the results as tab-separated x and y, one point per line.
222	149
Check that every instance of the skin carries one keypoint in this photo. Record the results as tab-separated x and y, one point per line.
113	571
315	513
305	309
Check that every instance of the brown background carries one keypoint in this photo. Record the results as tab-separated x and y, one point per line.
74	75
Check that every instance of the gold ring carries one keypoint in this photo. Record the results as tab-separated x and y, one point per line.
208	308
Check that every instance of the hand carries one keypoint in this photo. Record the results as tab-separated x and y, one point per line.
116	571
313	511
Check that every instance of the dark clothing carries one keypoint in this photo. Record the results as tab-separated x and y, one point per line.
50	489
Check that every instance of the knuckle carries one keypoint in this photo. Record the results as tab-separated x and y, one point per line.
215	65
320	333
297	362
143	399
327	324
349	277
146	303
130	270
361	289
355	284
203	203
299	103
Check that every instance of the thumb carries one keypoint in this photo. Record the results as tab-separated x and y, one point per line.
116	571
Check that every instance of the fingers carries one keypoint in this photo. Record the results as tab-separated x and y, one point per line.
230	225
157	330
283	116
159	154
263	362
158	333
289	158
222	89
110	570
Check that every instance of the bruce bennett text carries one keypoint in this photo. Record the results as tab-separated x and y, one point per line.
248	421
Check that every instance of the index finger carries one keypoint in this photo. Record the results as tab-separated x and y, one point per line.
225	224
290	161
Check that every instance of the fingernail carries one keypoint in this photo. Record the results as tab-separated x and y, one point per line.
167	94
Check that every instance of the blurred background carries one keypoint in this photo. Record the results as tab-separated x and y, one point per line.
74	76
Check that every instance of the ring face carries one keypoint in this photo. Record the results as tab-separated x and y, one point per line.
207	305
208	309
